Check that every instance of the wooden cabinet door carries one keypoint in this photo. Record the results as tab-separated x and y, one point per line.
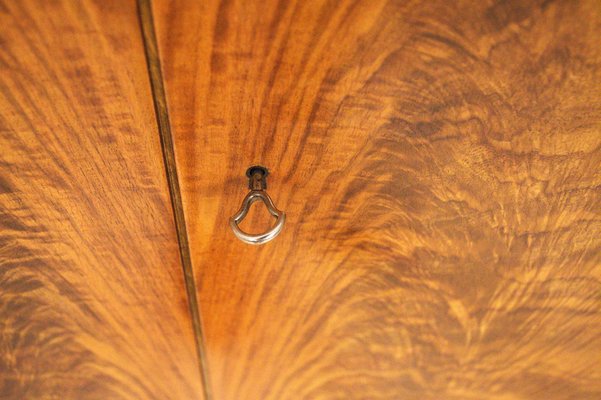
439	166
92	297
438	163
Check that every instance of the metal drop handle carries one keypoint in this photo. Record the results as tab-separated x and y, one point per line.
257	184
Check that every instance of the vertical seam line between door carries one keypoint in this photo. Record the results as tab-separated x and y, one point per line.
164	128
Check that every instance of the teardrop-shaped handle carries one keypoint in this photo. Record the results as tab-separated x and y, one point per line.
251	197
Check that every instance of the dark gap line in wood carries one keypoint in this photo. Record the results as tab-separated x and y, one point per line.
164	127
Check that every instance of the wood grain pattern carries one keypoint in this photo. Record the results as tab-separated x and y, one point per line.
92	298
439	166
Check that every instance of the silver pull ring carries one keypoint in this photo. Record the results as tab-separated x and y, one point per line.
257	184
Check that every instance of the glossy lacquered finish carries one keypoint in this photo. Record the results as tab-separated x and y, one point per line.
438	165
92	296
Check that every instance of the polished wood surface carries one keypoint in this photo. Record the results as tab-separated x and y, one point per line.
439	166
92	298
